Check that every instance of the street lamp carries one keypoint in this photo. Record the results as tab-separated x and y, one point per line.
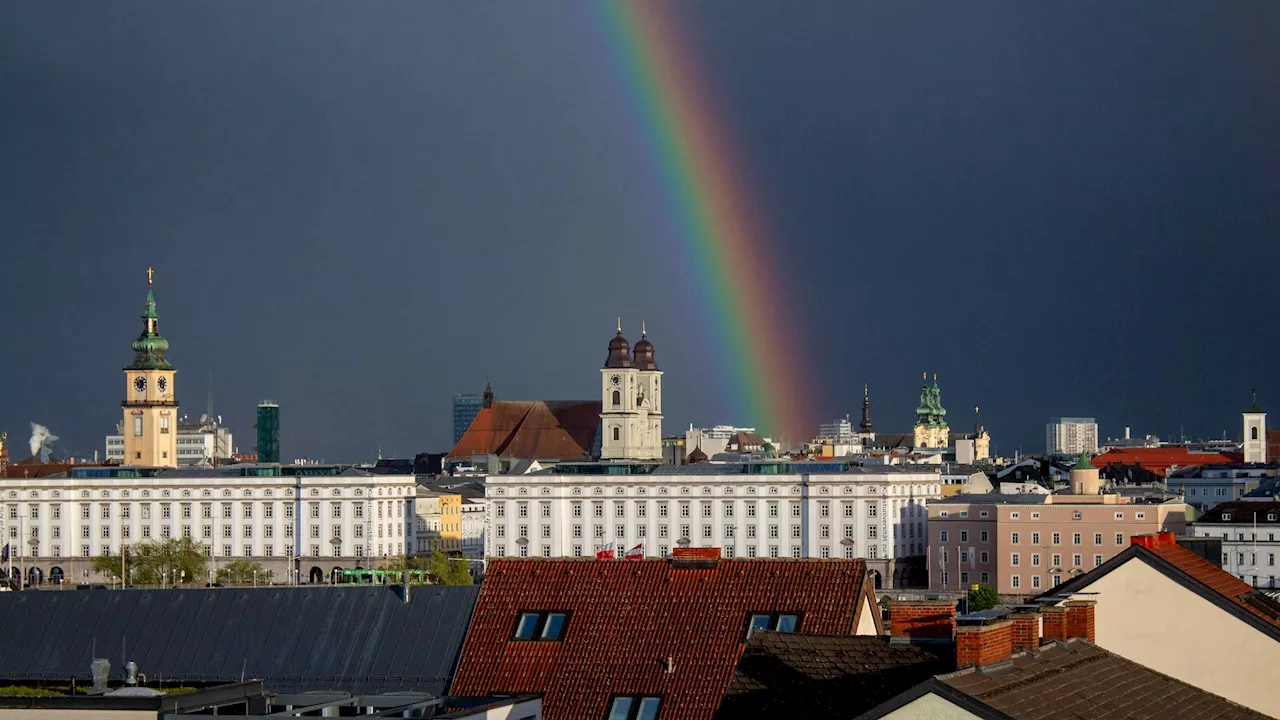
34	544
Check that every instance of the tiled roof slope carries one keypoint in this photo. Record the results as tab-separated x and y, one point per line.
1159	460
828	676
1077	679
1212	576
628	616
1163	551
532	430
1243	512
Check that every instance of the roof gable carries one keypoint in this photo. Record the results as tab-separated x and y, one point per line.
626	618
1191	571
532	429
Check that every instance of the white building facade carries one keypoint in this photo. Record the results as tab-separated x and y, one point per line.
474	522
1250	534
196	445
805	510
299	526
1071	436
1205	486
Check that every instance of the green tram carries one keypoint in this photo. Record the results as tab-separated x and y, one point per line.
363	576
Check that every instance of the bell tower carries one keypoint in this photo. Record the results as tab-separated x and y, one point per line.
1255	433
150	407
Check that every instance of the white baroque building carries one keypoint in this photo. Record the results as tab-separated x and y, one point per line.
301	523
758	509
1250	532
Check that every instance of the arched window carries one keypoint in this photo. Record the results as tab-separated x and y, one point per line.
617	401
616	432
1253	431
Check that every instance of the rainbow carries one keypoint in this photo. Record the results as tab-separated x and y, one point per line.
705	190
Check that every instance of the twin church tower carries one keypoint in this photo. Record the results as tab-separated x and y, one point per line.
630	401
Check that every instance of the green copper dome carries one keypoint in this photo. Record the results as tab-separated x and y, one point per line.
149	348
1083	463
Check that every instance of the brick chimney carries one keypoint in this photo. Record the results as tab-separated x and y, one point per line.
1080	619
1026	630
1053	623
1153	540
921	621
990	641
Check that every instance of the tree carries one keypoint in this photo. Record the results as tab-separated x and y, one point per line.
153	562
446	570
243	572
982	597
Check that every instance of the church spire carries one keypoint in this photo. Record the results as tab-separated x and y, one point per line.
488	393
149	347
865	425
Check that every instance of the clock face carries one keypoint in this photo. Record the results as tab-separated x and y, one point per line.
616	379
163	383
139	383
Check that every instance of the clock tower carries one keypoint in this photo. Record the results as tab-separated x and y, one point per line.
630	401
150	408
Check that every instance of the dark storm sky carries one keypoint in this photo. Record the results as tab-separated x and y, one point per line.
360	209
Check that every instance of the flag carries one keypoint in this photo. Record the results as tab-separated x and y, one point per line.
636	553
606	554
4	556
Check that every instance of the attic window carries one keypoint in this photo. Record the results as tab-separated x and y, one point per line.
780	622
540	626
1226	516
630	707
1271	516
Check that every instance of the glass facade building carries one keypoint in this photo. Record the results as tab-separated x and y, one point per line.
465	408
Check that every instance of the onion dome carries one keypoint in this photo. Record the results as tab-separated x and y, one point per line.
644	359
935	396
149	348
697	456
925	408
619	351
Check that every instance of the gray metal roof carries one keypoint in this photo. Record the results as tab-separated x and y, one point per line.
354	639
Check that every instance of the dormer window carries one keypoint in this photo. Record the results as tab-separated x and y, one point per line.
538	626
1271	517
630	707
779	622
1226	516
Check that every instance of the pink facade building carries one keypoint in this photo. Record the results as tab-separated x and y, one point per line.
1027	544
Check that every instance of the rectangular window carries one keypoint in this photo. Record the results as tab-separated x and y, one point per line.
1013	538
964	536
751	510
773	509
1097	560
1014	581
1035	559
106	511
1035	581
984	536
1014	560
873	510
634	707
778	622
540	626
1035	538
942	536
1097	538
1119	538
1076	560
1075	538
985	578
728	509
872	531
1057	538
985	558
1057	560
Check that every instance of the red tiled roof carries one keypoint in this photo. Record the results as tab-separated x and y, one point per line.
1166	547
1159	460
626	618
532	430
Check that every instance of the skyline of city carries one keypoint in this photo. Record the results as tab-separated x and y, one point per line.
1054	236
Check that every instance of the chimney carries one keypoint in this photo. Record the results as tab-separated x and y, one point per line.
1026	630
914	622
695	558
1054	623
984	642
1154	540
1080	619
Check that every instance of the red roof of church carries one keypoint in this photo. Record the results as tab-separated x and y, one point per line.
1160	459
532	430
668	629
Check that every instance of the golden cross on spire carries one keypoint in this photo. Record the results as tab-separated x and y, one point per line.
149	272
642	330
619	326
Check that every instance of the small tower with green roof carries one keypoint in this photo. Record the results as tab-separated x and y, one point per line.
150	405
931	429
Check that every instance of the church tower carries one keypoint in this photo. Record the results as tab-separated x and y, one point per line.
1255	433
150	407
630	401
931	429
